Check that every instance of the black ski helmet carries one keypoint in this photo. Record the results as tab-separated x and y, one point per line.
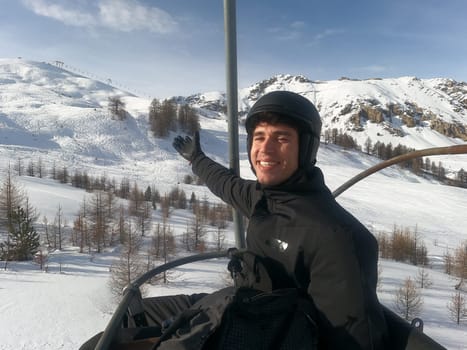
300	111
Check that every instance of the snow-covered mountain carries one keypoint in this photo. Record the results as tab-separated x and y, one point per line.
416	113
45	109
399	107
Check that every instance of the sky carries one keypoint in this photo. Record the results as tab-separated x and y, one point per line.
177	47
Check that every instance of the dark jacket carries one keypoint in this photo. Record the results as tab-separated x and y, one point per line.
309	241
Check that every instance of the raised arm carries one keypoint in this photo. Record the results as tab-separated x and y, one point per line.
220	180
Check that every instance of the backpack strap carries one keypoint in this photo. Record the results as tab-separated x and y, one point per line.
135	316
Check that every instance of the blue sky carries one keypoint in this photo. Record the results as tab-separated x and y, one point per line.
176	47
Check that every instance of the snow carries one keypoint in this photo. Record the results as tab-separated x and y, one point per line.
41	115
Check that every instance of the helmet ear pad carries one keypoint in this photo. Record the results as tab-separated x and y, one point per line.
308	148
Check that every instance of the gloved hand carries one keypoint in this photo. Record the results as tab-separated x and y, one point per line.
187	147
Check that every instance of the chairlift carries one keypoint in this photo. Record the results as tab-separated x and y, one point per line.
133	316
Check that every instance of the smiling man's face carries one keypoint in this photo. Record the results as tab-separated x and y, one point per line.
274	152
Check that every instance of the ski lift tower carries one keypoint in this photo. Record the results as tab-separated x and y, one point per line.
232	104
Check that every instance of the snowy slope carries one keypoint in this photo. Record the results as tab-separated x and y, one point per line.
62	118
60	310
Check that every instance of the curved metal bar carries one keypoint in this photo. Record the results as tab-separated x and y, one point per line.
457	149
132	290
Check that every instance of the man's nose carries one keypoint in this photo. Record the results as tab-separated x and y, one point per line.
268	145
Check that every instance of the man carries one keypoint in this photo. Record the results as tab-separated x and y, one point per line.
304	237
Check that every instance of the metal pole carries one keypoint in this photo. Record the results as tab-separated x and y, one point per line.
456	149
232	104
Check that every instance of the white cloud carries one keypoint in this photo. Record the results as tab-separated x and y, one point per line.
298	30
327	33
291	32
317	38
298	25
119	15
60	13
129	15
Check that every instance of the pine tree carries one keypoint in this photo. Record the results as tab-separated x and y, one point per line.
24	240
100	215
148	194
144	218
368	145
408	300
188	120
139	208
11	197
58	227
136	200
79	232
30	168
117	108
457	307
19	167
121	224
40	168
423	278
162	247
129	266
181	201
460	264
162	117
193	201
124	191
448	262
154	116
196	232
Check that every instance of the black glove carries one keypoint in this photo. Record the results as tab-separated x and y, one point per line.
187	147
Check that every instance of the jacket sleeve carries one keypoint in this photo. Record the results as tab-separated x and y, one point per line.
231	188
345	295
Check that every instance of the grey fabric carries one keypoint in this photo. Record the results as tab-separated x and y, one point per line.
160	310
245	319
194	326
124	336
